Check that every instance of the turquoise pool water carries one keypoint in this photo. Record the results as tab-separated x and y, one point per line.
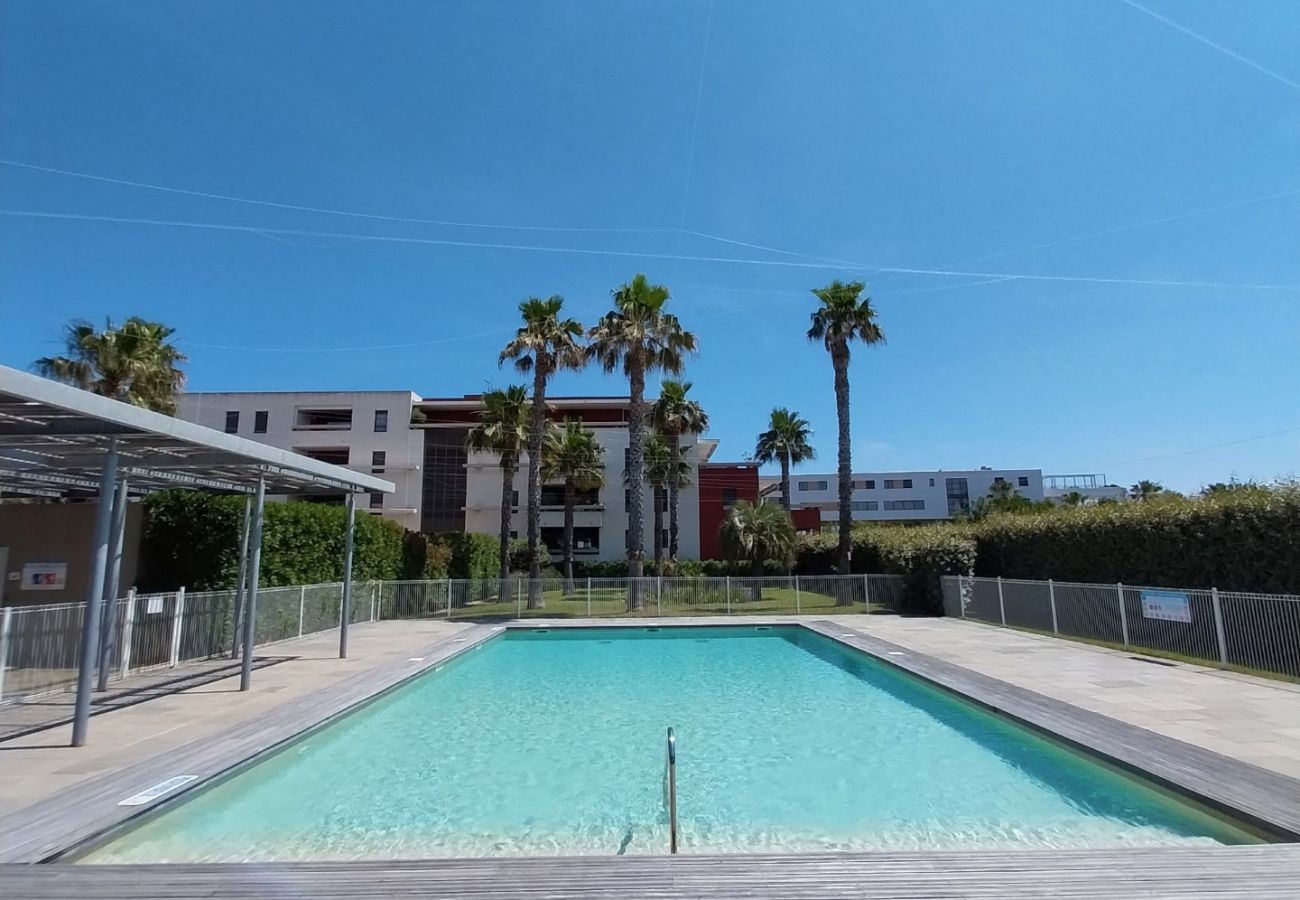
553	743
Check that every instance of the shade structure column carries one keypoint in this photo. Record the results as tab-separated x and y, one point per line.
94	596
345	613
113	582
250	592
241	585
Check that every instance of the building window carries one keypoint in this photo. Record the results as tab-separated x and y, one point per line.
514	499
232	422
586	540
663	538
958	495
931	482
866	484
893	484
323	420
378	459
728	497
998	479
661	499
904	504
381	420
335	456
865	505
553	496
259	421
1023	481
377	500
812	485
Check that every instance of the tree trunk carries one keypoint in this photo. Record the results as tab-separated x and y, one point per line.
536	431
785	481
674	460
570	500
507	489
636	478
840	360
659	529
756	571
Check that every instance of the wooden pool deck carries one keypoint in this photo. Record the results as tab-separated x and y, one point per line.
46	829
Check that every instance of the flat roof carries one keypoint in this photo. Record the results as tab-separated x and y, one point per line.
54	437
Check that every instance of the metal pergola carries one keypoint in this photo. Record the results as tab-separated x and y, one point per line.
57	441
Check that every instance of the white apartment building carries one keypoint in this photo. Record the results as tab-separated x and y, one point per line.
419	445
909	496
463	490
1091	487
369	431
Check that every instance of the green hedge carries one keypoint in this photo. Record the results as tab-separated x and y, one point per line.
191	538
1247	541
468	555
919	553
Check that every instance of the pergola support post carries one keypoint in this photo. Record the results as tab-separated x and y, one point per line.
345	614
108	623
250	592
241	585
94	597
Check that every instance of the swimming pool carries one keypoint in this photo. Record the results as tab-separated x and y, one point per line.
551	742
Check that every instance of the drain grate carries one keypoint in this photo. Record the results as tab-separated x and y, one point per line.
1155	662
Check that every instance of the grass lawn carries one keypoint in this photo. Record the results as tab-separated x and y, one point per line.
612	603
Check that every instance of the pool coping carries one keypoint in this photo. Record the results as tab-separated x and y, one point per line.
43	831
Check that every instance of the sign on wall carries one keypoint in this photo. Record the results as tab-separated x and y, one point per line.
1171	606
45	576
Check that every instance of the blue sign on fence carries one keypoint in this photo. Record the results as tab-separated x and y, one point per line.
1172	606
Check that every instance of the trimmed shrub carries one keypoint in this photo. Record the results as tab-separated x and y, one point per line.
191	538
470	555
1241	541
423	558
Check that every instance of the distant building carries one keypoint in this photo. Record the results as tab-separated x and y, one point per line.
419	444
1092	487
906	496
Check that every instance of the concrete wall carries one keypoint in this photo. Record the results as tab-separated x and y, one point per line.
403	445
59	532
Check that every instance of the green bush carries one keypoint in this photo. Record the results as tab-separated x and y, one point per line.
423	558
1243	541
469	555
191	538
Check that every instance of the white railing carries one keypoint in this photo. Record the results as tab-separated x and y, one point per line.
1232	629
40	645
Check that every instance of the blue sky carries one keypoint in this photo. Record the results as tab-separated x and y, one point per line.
919	135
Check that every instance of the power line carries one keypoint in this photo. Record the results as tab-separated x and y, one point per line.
1245	440
322	209
1197	36
640	254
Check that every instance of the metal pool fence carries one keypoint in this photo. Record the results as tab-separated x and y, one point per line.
40	646
1233	629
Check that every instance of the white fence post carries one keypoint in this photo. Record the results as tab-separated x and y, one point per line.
374	588
728	577
866	592
1051	598
5	624
449	598
176	627
302	607
961	595
1002	605
1123	613
659	600
588	596
519	598
128	630
1218	626
797	599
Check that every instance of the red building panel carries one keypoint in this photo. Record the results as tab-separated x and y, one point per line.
720	486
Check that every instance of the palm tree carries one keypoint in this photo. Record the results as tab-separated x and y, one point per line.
758	532
841	319
1146	490
638	336
786	442
575	457
661	470
543	345
134	363
503	430
673	415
